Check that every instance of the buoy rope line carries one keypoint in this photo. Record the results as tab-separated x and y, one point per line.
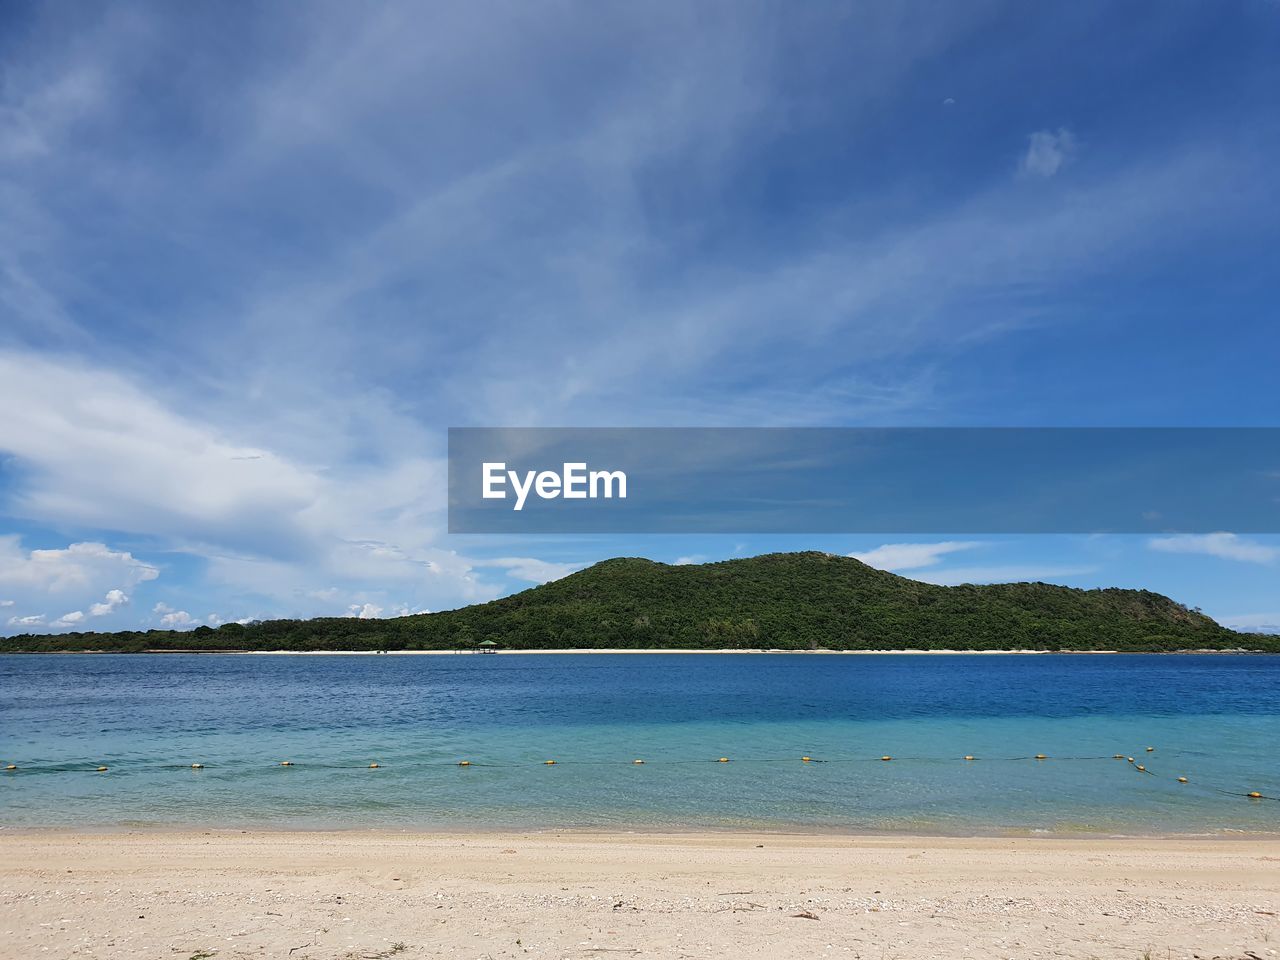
1132	761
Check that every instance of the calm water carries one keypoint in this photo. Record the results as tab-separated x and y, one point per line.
1214	719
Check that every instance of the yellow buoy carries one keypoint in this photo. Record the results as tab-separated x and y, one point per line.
464	763
1182	779
286	763
967	757
102	770
549	763
1255	795
806	759
1150	749
886	758
11	766
723	760
197	766
1141	767
1130	759
637	761
374	766
1118	756
1041	756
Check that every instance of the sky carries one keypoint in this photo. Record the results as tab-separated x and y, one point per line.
255	259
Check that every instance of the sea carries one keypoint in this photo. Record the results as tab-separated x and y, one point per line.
462	742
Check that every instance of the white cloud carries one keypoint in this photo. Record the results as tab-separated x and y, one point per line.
6	603
367	611
78	568
690	560
911	556
100	452
217	620
86	575
34	620
246	434
1012	573
1048	151
171	619
113	601
531	569
1227	546
405	610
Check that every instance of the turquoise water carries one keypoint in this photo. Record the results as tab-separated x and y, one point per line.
1213	719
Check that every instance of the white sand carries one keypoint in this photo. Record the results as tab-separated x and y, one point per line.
376	894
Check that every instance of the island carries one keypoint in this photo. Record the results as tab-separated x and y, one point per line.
779	601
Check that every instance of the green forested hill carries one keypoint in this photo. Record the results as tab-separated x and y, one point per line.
789	601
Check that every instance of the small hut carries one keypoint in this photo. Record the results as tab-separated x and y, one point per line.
487	646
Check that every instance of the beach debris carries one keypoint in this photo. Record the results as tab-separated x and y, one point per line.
804	915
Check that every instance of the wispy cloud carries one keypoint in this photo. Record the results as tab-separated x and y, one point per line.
235	318
531	569
1011	573
911	556
1048	151
1227	546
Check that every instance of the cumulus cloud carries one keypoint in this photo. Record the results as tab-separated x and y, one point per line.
171	619
1227	546
217	620
912	556
531	569
1047	152
690	560
86	575
78	567
365	611
113	601
6	603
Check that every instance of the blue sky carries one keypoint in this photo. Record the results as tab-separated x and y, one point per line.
254	259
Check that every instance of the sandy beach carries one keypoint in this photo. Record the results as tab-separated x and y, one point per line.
487	896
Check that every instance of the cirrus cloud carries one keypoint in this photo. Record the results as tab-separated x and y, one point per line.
1227	546
912	556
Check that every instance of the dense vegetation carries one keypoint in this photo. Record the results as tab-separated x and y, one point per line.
793	601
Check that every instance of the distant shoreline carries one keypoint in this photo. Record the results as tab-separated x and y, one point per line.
646	651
